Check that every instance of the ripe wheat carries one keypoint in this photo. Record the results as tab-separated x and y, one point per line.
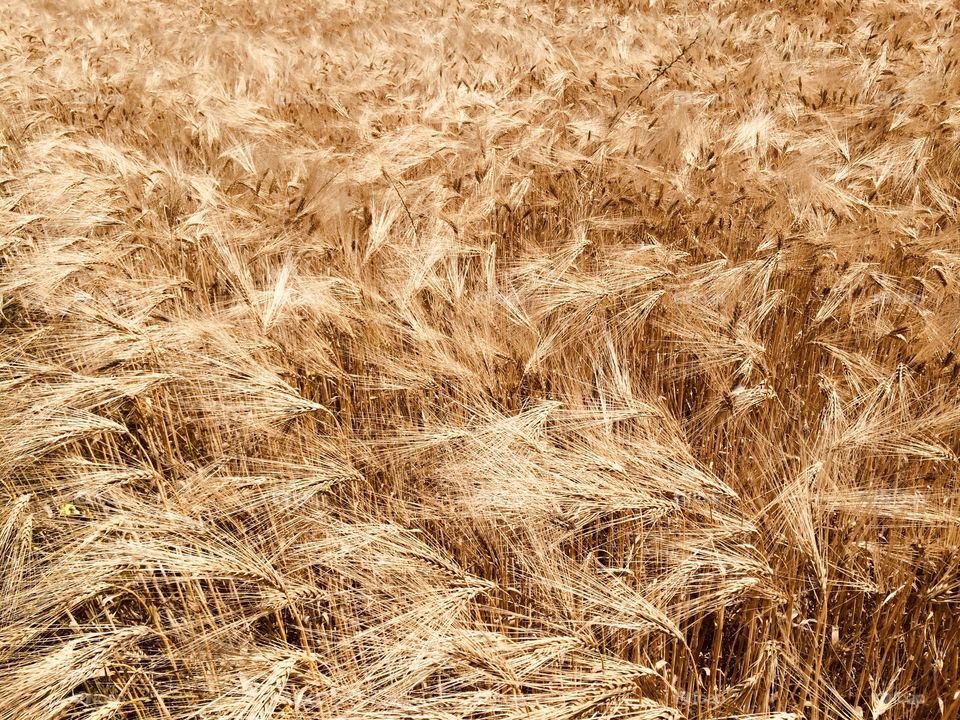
479	360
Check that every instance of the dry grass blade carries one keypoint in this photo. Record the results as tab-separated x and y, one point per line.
479	361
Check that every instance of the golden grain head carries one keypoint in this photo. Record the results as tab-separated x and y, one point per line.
479	360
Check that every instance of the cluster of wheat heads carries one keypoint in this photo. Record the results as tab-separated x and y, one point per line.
479	360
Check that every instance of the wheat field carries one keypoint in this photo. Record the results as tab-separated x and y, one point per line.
478	360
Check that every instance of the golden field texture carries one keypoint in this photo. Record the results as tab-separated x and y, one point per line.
479	360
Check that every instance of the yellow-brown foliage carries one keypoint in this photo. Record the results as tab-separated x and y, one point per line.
479	360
